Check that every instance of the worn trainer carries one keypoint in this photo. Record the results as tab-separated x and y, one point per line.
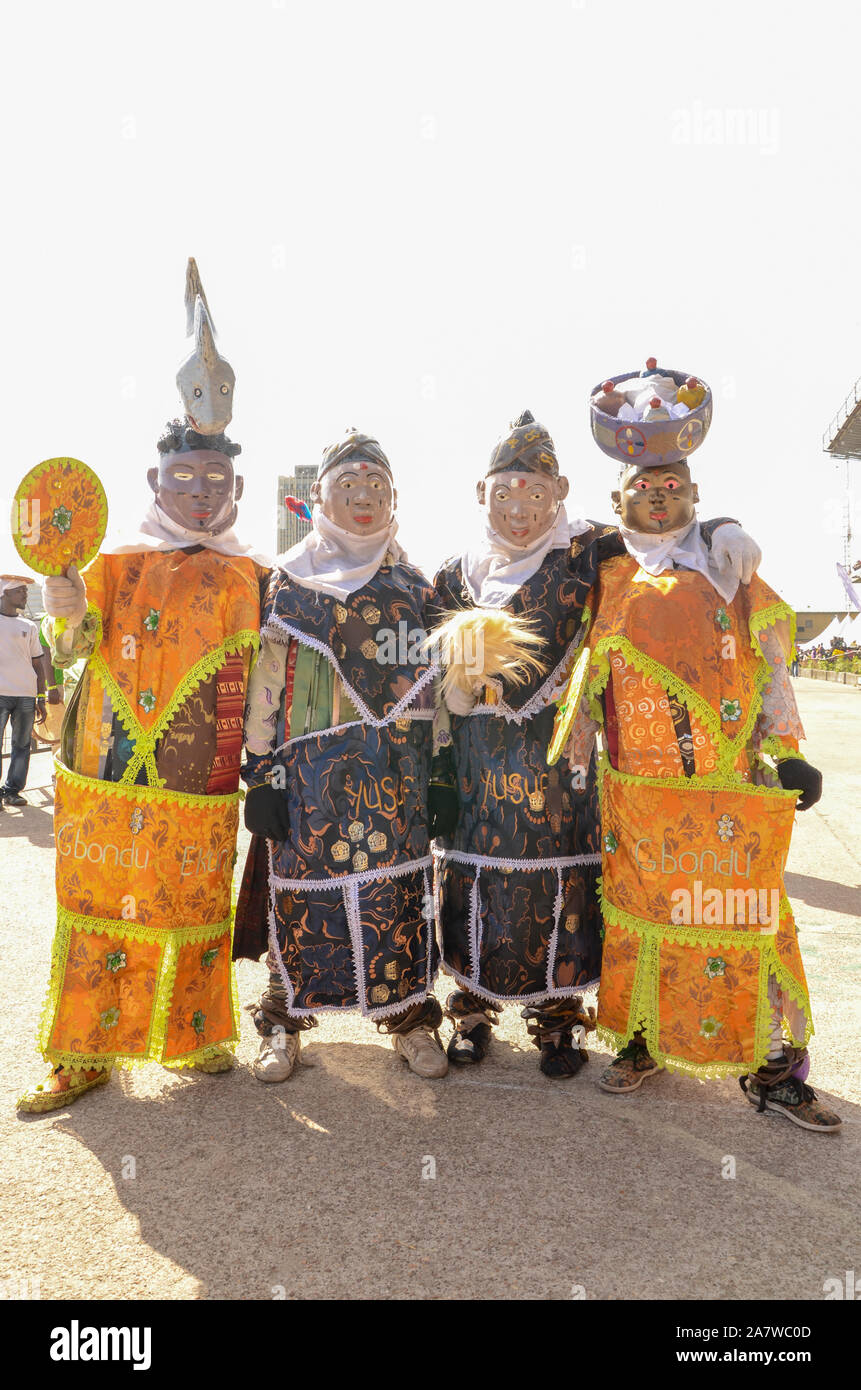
794	1099
629	1070
277	1057
422	1051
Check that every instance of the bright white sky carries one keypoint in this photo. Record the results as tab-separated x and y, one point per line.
419	219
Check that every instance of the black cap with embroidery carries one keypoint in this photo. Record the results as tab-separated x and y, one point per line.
527	448
362	446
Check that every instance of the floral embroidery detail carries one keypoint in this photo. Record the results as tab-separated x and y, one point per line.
611	844
116	960
725	828
198	1021
208	957
136	821
443	738
110	1018
709	1027
62	519
150	622
714	966
730	709
722	619
146	700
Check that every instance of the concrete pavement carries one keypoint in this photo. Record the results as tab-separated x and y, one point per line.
357	1179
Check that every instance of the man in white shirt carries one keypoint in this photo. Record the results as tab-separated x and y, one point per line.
24	673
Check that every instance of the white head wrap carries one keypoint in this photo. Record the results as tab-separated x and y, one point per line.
497	568
682	549
333	561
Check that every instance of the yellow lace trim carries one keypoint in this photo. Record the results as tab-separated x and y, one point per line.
173	939
145	740
683	934
765	617
708	781
778	749
135	931
728	749
194	800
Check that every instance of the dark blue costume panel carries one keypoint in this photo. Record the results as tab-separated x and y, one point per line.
356	798
365	945
517	882
352	920
501	931
381	675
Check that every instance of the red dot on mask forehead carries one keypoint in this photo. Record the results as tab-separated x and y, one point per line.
363	468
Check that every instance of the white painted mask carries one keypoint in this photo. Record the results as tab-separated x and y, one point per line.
206	379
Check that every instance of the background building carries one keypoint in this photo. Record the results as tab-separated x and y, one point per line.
289	527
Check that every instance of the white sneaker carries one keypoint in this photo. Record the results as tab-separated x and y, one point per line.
422	1051
277	1057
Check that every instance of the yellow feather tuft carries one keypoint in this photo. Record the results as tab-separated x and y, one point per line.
479	644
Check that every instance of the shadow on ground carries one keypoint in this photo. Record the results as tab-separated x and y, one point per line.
824	893
315	1187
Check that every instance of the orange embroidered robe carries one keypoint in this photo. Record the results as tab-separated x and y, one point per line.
691	692
146	811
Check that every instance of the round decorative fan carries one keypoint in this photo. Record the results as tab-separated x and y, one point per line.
59	516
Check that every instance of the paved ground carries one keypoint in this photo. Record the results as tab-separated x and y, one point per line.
541	1189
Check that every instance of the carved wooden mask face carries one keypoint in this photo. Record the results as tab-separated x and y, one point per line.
654	500
357	495
522	506
197	489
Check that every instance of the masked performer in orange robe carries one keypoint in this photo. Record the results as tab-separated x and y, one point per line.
686	674
147	786
518	873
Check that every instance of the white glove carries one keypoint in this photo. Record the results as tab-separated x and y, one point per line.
458	701
736	552
65	596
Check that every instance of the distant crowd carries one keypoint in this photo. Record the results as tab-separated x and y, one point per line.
820	653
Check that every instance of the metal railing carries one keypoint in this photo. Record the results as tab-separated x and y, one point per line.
846	409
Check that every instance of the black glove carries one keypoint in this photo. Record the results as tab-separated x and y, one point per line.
798	776
443	808
266	812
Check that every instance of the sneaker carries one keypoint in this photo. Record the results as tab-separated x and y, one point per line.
14	799
422	1051
277	1057
629	1070
794	1099
63	1087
